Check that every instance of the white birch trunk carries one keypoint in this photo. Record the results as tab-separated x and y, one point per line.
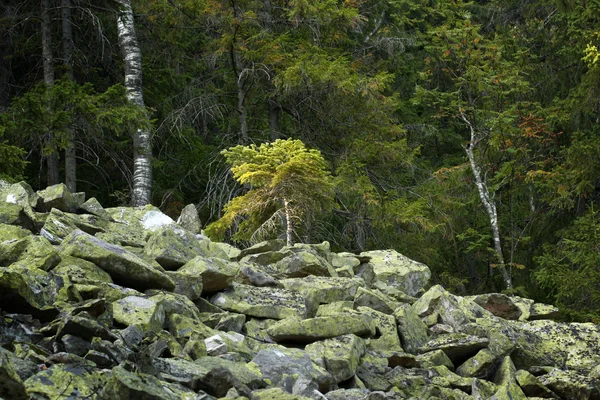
289	225
241	97
488	204
67	41
142	147
52	177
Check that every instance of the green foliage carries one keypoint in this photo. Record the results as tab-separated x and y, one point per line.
569	269
277	173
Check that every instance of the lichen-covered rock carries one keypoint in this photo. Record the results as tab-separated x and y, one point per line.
326	290
189	219
532	386
28	290
253	275
22	194
59	197
59	225
303	264
65	381
186	285
211	374
339	356
80	271
216	274
123	384
313	329
275	394
14	214
457	346
124	267
263	247
173	303
262	302
413	331
184	328
569	385
499	304
34	251
481	365
334	308
172	247
399	271
292	370
542	311
435	358
146	313
387	340
376	300
11	385
92	206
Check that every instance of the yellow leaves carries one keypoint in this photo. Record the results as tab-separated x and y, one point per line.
592	55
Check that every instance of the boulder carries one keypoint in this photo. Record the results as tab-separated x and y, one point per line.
303	264
93	207
65	381
375	299
262	302
33	251
386	338
325	290
216	274
412	330
59	225
146	314
457	346
123	266
399	271
214	375
59	197
11	385
23	195
123	384
291	370
172	248
319	328
339	355
189	219
499	304
532	386
14	214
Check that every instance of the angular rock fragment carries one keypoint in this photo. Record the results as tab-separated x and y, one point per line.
59	197
326	290
313	329
399	271
339	355
261	302
123	266
499	304
147	314
216	274
457	346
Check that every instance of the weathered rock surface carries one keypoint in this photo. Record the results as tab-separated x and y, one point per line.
124	303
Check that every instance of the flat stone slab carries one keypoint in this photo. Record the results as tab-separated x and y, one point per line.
123	266
326	290
261	302
456	345
319	328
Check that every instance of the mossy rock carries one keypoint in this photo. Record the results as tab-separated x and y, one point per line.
303	263
262	302
387	339
339	356
58	225
28	290
275	394
65	381
11	385
325	290
124	267
172	246
313	329
376	300
59	197
184	328
334	308
14	214
123	384
435	358
92	206
399	271
22	194
457	346
146	313
532	386
412	330
35	251
80	271
285	367
216	274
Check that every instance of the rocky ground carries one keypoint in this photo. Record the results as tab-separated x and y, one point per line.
125	303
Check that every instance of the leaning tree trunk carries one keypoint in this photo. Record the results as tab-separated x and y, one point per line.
142	147
48	66
67	40
241	98
488	204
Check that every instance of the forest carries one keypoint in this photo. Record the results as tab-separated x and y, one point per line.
464	135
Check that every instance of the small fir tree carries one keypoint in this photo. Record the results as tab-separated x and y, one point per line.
288	182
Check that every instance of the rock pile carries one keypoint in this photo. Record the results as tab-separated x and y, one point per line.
125	303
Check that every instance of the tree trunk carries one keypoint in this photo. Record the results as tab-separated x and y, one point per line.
241	97
52	177
67	40
289	225
274	131
488	204
142	147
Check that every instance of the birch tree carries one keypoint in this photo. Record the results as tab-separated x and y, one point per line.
142	146
487	199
